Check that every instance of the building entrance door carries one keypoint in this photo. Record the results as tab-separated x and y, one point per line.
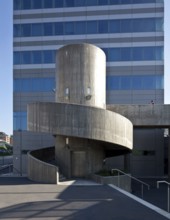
78	164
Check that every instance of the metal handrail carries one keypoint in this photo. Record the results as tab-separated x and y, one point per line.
142	183
168	192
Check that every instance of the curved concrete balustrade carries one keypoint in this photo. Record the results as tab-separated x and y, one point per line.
150	115
82	122
39	170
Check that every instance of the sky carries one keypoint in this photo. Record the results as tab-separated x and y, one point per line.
6	60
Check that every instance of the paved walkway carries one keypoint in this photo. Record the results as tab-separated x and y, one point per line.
23	199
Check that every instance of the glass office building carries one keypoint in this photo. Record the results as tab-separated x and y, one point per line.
129	31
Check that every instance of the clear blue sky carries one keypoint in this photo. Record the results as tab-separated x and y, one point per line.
6	59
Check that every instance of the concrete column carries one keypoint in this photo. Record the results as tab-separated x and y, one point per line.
81	75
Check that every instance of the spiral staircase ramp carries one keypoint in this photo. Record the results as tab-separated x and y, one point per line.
85	132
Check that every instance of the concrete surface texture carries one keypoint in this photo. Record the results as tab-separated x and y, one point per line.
151	115
81	75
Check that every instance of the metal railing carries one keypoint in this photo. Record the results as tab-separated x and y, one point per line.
137	180
168	192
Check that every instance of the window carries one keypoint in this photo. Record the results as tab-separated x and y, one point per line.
36	4
103	26
68	3
48	56
80	27
80	2
102	2
59	30
26	4
37	29
58	3
48	29
114	26
26	30
91	27
20	121
126	25
34	85
17	58
91	2
48	4
137	53
126	54
134	82
69	28
36	57
114	54
114	2
17	4
26	57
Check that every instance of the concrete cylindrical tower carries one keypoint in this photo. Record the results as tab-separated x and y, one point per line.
81	75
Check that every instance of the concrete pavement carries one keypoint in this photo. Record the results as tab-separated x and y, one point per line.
23	199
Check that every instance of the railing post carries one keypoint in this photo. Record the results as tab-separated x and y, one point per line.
142	190
168	199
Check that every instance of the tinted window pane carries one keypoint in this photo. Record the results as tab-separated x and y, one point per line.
159	82
17	4
144	25
48	29
137	53
91	27
36	57
125	83
112	83
126	54
102	2
126	1
26	30
159	53
148	82
103	26
69	28
26	57
149	53
136	83
115	2
37	29
26	4
159	24
143	1
114	26
48	56
69	3
36	4
17	58
114	54
48	4
126	26
17	30
58	3
59	28
91	2
80	27
80	2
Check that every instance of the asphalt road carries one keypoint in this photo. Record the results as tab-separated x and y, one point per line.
22	199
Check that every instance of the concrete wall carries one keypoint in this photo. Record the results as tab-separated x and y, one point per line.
150	115
41	171
81	75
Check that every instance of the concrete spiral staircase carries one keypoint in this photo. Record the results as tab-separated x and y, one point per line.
85	132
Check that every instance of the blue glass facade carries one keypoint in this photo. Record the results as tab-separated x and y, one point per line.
34	85
112	55
34	4
135	82
89	27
